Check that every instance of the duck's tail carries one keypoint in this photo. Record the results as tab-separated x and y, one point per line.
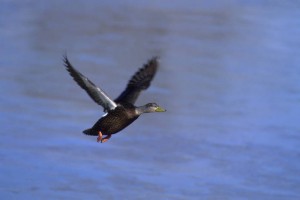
90	132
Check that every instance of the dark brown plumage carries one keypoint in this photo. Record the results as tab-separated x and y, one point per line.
139	81
114	121
121	112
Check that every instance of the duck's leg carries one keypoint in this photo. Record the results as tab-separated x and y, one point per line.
106	138
99	137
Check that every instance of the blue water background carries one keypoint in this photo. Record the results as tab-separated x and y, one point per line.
229	79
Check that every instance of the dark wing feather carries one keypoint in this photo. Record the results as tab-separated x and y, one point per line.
93	91
139	81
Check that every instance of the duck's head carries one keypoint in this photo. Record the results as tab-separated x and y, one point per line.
150	108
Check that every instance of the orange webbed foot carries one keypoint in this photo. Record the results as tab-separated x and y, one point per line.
99	138
105	139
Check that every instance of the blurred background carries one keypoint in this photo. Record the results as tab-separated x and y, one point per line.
229	79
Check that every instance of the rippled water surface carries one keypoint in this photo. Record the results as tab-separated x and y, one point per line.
229	78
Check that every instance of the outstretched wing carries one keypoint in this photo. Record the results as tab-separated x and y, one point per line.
139	81
93	91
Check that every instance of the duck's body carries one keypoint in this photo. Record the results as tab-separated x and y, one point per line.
121	112
114	121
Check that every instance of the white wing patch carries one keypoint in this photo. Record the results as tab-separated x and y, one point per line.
109	103
104	114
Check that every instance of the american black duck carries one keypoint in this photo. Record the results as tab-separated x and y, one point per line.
121	112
